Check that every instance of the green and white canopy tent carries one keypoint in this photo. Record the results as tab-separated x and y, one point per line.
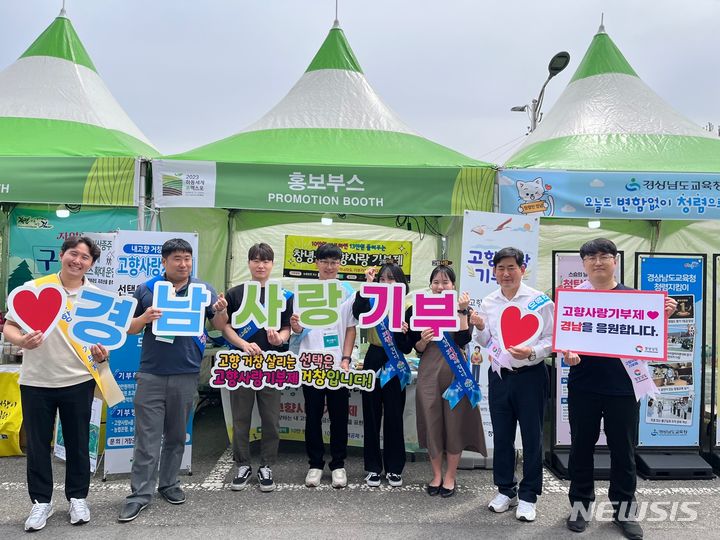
610	138
330	146
64	140
63	137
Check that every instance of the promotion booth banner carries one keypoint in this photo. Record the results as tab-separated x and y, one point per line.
671	418
357	256
568	273
136	260
485	233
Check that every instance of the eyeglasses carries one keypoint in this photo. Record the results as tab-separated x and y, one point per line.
599	258
329	262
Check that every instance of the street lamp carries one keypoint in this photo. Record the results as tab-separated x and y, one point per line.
557	63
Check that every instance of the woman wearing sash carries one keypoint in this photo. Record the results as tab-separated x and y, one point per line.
386	403
443	430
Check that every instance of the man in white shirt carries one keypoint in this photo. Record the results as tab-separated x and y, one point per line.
337	340
517	395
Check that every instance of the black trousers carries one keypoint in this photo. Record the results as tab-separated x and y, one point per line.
39	406
621	420
384	405
338	405
518	398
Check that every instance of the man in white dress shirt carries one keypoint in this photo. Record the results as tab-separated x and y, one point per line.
517	395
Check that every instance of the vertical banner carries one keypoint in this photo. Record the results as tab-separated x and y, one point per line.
569	273
672	417
100	275
136	259
484	234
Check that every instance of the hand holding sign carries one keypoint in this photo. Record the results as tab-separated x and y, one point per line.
37	309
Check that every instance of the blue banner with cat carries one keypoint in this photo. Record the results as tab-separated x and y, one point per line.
606	194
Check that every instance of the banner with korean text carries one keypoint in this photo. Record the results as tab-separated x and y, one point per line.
568	274
672	416
484	233
357	256
136	260
609	194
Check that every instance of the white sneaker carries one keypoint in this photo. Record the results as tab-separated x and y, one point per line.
79	511
339	478
313	477
525	511
38	516
372	479
502	503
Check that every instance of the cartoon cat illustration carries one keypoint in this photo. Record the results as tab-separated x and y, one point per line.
535	197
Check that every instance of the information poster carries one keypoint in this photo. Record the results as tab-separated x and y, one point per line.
484	234
672	417
357	256
569	273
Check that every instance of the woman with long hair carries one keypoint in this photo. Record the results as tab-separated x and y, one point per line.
443	430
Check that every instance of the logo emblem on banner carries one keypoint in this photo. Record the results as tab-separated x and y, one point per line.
37	308
518	327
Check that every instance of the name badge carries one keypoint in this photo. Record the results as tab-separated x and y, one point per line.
331	340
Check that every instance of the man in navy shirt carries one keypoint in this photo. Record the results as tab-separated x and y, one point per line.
600	388
166	384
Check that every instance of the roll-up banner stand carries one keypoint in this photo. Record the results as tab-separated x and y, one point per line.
713	455
670	422
568	272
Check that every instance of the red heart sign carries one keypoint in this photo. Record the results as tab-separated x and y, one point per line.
37	308
517	328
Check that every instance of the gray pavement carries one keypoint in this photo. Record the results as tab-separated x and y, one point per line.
293	511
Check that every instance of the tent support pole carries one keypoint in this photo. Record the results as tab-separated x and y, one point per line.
655	234
141	195
229	255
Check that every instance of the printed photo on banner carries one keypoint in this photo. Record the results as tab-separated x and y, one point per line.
357	256
681	341
585	320
672	376
670	409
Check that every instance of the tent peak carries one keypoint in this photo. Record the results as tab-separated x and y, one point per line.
601	29
336	24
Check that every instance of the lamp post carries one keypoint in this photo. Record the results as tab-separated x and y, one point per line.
557	63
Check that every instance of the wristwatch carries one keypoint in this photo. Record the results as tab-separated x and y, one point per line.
462	311
532	356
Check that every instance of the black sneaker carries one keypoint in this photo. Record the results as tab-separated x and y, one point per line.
578	524
630	528
372	479
240	481
395	480
265	479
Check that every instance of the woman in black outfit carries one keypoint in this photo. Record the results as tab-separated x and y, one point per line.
388	400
